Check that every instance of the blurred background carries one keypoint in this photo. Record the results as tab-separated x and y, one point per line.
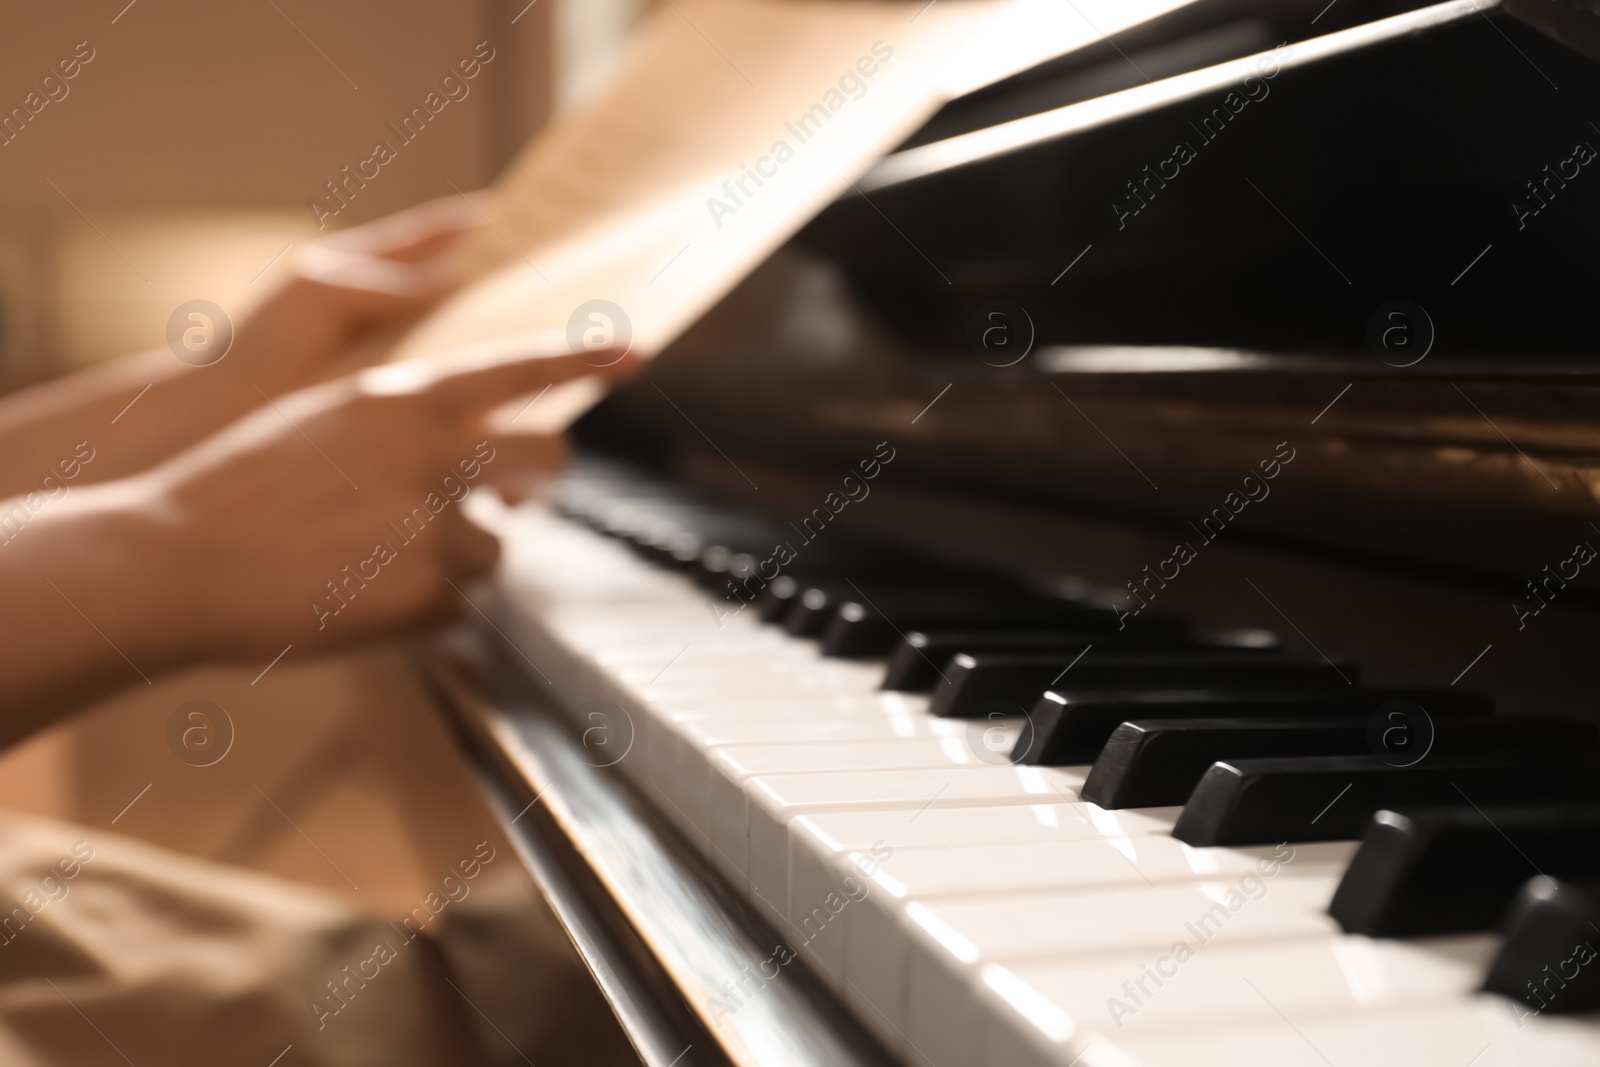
183	155
179	164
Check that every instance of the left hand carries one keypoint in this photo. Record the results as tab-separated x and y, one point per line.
350	286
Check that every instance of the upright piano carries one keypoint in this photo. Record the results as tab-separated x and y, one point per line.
1119	588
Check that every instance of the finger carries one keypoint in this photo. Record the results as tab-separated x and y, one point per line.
357	274
474	380
415	234
469	551
423	247
447	606
523	466
523	452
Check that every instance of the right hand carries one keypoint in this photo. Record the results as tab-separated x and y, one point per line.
248	535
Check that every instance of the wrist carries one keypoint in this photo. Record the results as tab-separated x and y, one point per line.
114	554
281	344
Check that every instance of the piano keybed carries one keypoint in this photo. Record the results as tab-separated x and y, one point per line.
954	889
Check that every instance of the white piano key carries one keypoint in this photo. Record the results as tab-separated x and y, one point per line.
537	653
752	653
942	827
819	866
1102	861
724	803
1042	1035
672	764
761	852
815	920
727	804
681	742
716	785
679	758
1083	922
682	778
1152	993
1480	1032
780	701
763	682
1075	858
714	648
706	705
751	730
949	938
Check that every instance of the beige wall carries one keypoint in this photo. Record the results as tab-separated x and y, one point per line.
198	102
235	115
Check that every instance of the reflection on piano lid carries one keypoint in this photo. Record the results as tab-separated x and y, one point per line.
997	140
1568	23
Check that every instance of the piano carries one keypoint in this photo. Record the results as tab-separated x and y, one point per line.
1117	589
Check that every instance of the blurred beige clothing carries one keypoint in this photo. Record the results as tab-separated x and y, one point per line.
113	952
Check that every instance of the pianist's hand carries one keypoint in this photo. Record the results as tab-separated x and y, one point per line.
337	516
340	292
333	516
350	286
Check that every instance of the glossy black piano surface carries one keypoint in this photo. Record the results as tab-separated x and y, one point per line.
1270	505
1350	273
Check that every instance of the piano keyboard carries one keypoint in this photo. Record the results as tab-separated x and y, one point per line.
944	875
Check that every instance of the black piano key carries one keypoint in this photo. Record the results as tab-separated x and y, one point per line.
1330	798
648	516
900	594
814	606
1071	729
1430	871
1153	762
785	591
829	568
702	549
1550	959
756	576
972	682
676	536
592	501
724	563
916	659
682	549
860	630
781	594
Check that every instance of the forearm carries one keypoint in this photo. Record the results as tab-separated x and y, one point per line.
83	613
44	428
137	411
